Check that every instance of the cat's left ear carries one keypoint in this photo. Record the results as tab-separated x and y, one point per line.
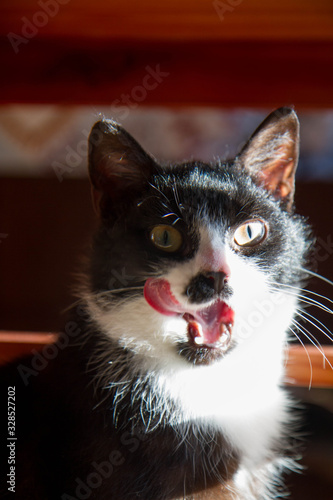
272	152
119	168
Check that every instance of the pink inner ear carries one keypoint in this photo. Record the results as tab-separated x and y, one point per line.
278	174
278	177
272	154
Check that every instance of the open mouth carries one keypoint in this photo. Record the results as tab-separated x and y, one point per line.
207	327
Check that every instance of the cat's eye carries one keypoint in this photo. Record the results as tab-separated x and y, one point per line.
250	233
166	238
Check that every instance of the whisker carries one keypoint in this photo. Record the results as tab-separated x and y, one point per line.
169	214
308	300
316	275
146	199
314	342
304	290
307	354
72	305
304	314
118	290
305	299
159	191
306	332
176	195
242	211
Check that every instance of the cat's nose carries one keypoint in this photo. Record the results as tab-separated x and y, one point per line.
217	281
206	285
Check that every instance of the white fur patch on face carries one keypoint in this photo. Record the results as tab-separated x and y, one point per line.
211	257
240	392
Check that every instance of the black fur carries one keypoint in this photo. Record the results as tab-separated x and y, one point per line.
65	434
77	420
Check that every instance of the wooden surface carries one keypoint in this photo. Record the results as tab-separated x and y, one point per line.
16	344
256	53
308	367
299	371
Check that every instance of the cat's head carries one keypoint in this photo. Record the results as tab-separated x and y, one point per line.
192	260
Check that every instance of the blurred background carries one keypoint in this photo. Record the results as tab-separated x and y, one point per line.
189	79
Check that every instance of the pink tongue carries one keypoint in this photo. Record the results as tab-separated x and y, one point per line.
213	319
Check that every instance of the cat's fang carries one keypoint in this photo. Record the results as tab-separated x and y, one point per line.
194	330
225	338
209	326
199	340
217	337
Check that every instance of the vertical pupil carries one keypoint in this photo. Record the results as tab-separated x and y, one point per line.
165	238
249	231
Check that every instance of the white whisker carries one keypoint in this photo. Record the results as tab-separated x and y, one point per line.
304	314
159	191
312	302
304	290
169	214
130	288
306	299
316	275
307	354
175	221
313	341
305	331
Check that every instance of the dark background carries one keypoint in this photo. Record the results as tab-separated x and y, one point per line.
257	54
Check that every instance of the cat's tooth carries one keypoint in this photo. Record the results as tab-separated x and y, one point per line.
223	328
199	340
195	332
225	332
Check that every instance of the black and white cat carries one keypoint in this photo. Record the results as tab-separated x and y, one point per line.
167	381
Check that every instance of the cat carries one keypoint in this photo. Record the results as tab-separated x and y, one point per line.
167	381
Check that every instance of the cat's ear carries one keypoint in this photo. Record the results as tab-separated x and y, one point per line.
118	166
271	154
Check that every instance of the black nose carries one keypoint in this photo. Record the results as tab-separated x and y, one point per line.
206	285
217	281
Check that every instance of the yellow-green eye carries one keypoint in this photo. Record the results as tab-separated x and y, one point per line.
250	233
166	238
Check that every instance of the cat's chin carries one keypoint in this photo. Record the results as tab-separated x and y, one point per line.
204	354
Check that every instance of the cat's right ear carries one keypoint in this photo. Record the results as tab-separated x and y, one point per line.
118	166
